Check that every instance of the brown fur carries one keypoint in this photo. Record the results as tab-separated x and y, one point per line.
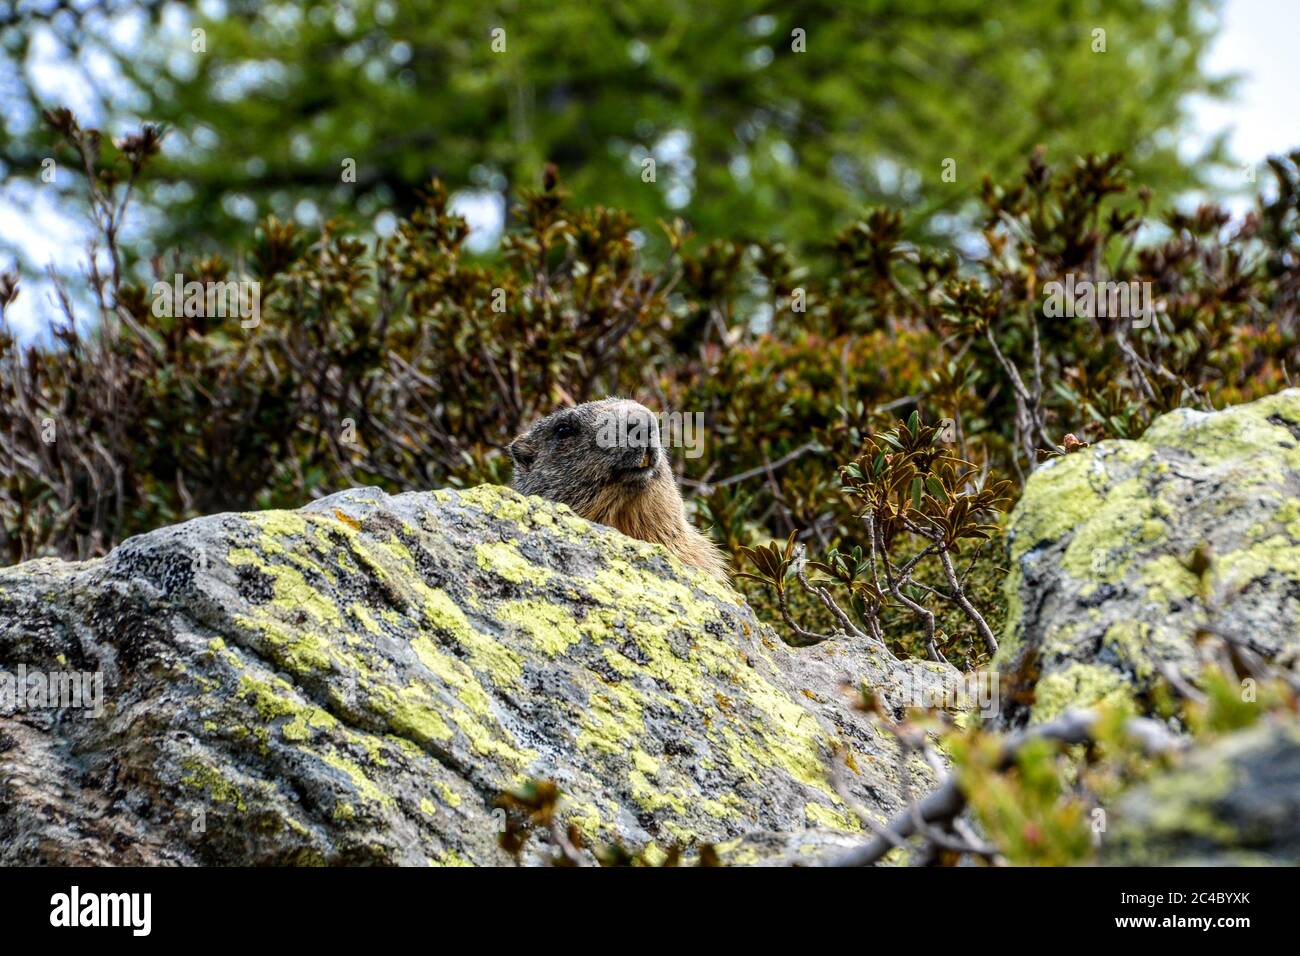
657	515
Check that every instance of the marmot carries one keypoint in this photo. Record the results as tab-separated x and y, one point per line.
605	461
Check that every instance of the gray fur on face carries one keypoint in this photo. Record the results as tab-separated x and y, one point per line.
572	455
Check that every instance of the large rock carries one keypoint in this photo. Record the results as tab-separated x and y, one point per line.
1233	803
355	682
1100	599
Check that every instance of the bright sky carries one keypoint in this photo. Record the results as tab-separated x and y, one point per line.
1258	41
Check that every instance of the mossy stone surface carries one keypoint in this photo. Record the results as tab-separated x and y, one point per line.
1099	597
1233	803
355	681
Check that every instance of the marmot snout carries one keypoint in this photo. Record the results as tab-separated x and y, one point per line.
606	461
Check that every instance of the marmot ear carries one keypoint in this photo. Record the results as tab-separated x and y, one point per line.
522	453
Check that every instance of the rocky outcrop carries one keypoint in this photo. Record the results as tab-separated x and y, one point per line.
356	681
1234	803
1101	601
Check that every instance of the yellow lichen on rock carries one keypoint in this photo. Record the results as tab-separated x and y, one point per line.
1102	599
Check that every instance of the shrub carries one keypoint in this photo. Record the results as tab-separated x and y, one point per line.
406	362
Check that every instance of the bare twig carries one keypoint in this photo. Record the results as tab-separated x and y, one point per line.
947	801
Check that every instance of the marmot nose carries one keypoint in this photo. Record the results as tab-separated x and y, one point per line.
641	457
641	429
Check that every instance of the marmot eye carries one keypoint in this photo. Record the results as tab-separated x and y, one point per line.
565	430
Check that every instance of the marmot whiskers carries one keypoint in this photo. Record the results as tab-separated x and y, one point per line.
605	460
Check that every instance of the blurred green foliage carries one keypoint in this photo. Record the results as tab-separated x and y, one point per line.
759	131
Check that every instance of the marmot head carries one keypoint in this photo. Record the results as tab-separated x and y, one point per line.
591	456
606	461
